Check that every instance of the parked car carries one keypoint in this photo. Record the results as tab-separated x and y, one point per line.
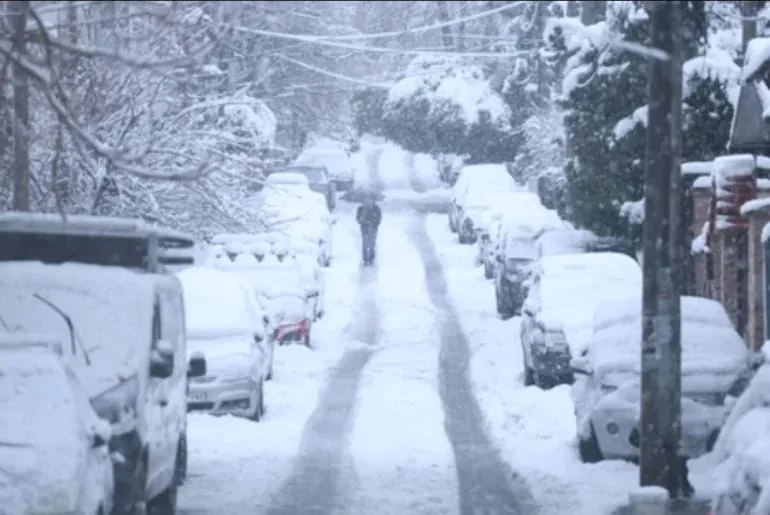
53	447
564	241
223	329
492	177
515	251
288	207
552	322
335	160
97	240
606	392
126	338
741	451
470	208
319	181
502	208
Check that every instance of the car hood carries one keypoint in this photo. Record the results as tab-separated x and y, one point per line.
43	488
220	348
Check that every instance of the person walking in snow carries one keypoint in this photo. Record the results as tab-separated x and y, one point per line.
368	216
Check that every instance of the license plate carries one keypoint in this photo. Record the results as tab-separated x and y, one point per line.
197	397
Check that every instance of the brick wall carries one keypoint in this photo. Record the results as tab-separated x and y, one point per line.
701	199
727	287
755	334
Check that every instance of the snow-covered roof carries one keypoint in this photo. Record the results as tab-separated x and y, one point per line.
111	310
697	167
757	204
214	304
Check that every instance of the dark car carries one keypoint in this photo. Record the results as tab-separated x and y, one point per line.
318	177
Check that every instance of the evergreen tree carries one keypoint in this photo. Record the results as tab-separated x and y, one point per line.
368	107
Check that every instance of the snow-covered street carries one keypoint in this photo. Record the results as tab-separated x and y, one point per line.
379	417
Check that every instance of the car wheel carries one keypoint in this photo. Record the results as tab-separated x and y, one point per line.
503	302
259	405
164	503
529	376
488	272
589	448
180	473
129	505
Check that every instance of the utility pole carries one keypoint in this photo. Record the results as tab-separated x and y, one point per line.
20	107
660	463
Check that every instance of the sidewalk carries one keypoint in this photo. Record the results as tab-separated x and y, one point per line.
677	507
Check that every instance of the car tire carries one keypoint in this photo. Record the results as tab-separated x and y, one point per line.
180	473
589	449
488	272
135	498
259	407
529	376
503	303
163	503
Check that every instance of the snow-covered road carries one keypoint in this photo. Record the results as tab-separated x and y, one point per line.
380	417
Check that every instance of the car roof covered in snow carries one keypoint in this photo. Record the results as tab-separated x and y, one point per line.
83	224
287	178
110	308
710	344
589	277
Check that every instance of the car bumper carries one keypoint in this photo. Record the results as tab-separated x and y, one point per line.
295	332
220	398
614	435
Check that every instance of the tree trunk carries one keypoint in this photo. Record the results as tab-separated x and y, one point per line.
592	11
20	109
446	31
573	9
660	463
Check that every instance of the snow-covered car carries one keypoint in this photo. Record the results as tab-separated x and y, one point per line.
53	447
319	181
335	160
296	212
291	299
742	452
606	392
501	207
564	241
126	340
514	252
475	184
466	174
552	322
221	326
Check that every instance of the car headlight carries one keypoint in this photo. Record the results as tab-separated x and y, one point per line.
118	404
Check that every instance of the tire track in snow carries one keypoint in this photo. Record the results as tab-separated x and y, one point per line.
313	486
487	485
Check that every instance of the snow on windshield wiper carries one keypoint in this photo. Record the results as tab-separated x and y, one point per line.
73	334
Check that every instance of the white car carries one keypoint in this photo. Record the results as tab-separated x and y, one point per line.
742	451
478	197
485	174
335	160
489	224
606	392
296	212
221	326
53	447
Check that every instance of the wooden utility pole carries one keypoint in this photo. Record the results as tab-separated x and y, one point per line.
19	12
660	463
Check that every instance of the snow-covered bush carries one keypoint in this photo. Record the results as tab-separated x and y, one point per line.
448	106
368	107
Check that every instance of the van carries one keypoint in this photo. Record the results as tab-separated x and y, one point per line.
127	342
97	240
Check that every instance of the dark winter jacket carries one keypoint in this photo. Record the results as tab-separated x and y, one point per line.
369	217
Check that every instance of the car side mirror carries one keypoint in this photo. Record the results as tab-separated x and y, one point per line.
162	360
197	365
581	366
258	337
